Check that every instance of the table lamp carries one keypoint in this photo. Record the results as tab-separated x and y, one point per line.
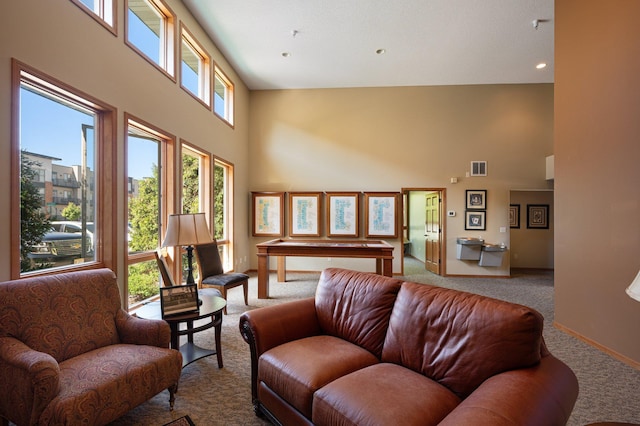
634	289
187	230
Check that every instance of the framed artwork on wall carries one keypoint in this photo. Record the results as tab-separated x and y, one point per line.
475	220
538	216
514	216
304	214
476	199
268	214
381	214
343	214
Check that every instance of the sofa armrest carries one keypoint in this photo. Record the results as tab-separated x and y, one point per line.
268	327
541	395
139	331
29	380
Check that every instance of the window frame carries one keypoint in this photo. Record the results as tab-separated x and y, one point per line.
101	16
204	67
228	115
167	180
167	38
105	191
227	243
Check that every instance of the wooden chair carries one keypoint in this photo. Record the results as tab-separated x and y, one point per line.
212	274
161	255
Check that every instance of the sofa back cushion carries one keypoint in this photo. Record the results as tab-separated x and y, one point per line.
63	315
460	339
356	306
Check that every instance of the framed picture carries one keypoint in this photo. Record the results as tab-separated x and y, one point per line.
268	214
475	220
304	214
514	215
343	214
381	214
538	216
476	199
178	299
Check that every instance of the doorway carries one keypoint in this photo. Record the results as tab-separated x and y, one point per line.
423	229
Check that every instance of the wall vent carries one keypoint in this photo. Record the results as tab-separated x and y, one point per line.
478	168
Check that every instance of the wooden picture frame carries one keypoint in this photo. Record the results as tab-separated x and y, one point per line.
537	216
343	214
178	299
268	214
514	216
475	220
381	214
476	199
304	214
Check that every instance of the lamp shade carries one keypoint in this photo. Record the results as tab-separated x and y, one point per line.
634	289
186	230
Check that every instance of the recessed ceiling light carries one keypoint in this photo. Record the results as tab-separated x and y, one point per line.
286	54
541	65
381	51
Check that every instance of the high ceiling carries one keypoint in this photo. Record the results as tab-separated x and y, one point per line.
333	43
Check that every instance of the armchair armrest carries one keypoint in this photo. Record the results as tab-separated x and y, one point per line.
541	395
268	327
29	380
139	331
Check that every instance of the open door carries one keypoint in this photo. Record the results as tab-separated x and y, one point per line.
432	232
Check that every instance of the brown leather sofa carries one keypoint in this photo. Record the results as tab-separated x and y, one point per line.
373	350
70	355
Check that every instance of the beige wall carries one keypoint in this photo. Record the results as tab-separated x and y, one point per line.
532	248
386	139
597	152
58	38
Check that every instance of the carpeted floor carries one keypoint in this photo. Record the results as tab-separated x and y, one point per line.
212	396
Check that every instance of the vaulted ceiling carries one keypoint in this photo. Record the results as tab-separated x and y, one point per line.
284	44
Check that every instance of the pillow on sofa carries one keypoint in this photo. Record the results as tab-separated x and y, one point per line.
460	339
356	306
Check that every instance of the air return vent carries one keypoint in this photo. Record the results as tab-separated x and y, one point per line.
478	168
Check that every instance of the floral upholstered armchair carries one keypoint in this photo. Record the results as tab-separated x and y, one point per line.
69	354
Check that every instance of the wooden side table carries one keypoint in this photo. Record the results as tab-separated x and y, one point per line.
210	310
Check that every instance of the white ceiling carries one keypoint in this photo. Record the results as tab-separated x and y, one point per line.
427	42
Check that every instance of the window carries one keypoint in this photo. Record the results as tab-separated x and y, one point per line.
223	210
195	70
103	11
196	186
149	202
223	96
150	32
60	132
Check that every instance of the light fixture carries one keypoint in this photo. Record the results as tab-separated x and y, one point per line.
187	230
634	289
541	65
286	54
381	51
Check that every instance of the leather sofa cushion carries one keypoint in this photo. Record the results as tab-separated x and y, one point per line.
295	370
383	394
460	339
356	306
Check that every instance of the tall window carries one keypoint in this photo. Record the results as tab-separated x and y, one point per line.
150	31
63	140
102	11
150	177
195	70
223	96
223	210
196	187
